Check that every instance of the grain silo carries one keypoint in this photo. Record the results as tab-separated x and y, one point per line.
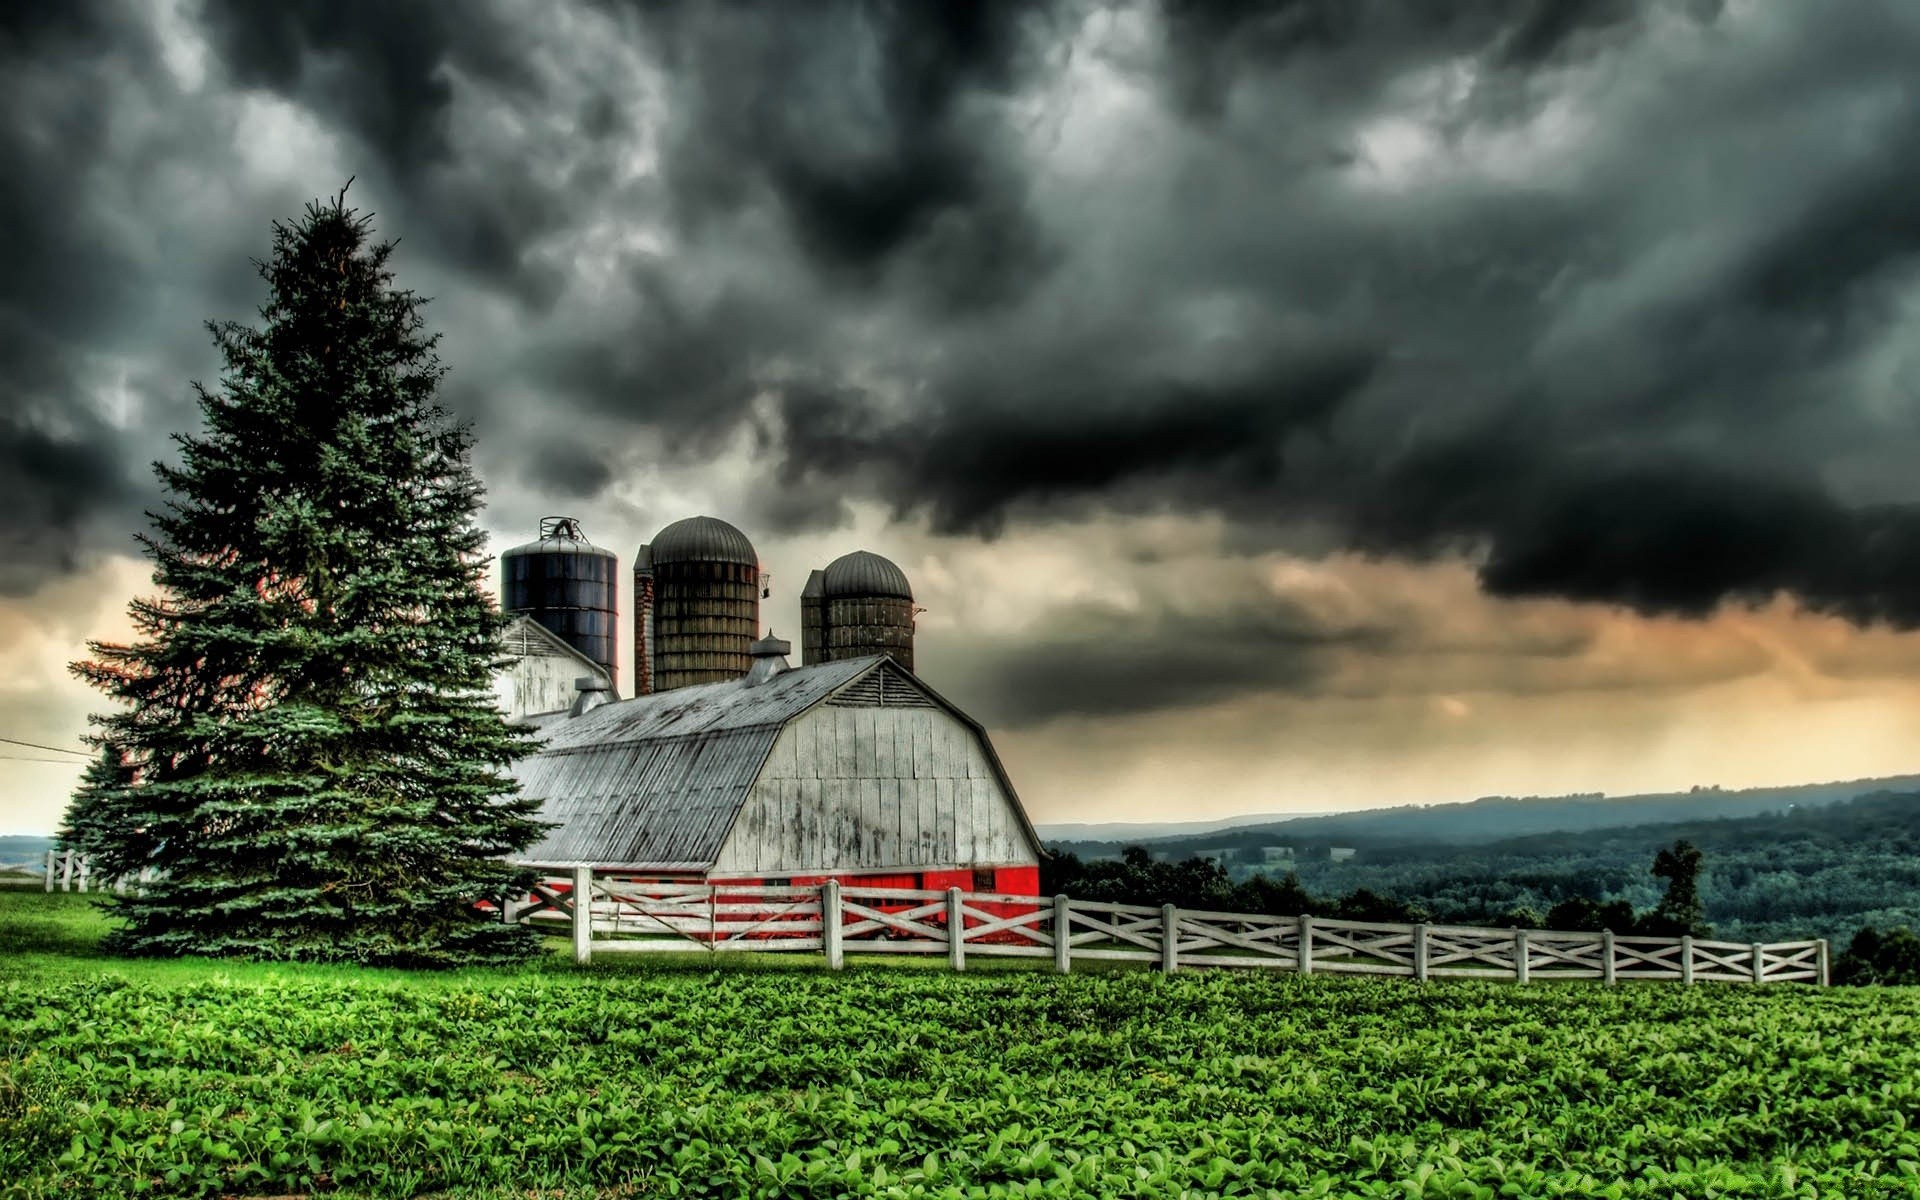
568	586
860	605
696	605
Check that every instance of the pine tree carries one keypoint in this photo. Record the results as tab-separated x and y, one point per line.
321	773
101	821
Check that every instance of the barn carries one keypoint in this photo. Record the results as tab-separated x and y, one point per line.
540	671
852	770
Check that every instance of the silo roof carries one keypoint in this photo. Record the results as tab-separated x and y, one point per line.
560	544
702	539
864	573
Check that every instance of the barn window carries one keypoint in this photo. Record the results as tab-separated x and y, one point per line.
777	883
982	879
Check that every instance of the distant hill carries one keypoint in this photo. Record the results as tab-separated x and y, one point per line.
1132	832
24	853
1492	819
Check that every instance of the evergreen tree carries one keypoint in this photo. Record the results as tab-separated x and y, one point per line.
102	822
321	773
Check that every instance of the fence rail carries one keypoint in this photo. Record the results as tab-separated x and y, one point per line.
71	871
627	916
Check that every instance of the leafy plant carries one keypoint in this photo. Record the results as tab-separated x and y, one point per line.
667	1076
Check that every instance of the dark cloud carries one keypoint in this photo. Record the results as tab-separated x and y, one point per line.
872	127
380	70
1677	536
1614	297
53	485
386	75
1091	661
992	445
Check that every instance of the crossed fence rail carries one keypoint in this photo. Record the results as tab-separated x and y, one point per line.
72	871
628	916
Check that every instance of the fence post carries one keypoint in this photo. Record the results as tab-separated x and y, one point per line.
956	930
66	872
1522	957
1606	957
1420	953
82	874
1686	958
830	924
51	856
1062	935
1306	944
1169	939
1821	956
583	915
1759	963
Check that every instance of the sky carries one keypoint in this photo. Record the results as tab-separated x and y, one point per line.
1277	406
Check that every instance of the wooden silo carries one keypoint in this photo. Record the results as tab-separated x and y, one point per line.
696	605
861	604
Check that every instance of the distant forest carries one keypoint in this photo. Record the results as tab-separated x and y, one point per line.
1821	869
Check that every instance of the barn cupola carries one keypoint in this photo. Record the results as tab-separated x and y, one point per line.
769	656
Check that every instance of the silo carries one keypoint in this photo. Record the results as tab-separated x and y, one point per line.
813	619
696	605
867	608
567	584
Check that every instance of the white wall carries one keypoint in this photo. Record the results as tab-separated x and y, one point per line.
873	787
540	678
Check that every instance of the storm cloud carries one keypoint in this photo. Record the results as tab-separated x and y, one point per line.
1615	301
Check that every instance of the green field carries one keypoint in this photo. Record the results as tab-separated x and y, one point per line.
776	1078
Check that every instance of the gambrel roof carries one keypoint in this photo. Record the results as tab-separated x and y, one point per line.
655	783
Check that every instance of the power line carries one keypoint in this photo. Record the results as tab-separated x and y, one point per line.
38	746
65	762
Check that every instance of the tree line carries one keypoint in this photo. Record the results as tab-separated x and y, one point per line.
1137	877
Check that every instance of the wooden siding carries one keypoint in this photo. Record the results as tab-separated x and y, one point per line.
863	788
539	676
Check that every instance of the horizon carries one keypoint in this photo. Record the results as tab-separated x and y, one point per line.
1255	818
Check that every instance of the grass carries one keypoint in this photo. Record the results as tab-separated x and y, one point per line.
769	1076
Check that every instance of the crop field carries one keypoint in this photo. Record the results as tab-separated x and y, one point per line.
674	1076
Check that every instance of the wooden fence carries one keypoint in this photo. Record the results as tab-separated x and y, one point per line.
624	916
69	871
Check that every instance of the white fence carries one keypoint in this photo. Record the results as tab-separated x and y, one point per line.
69	871
624	916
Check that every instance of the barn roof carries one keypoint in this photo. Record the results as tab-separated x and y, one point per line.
655	782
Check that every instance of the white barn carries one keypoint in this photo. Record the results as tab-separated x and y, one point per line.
851	770
542	673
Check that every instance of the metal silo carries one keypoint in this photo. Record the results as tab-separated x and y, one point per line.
866	607
567	584
697	589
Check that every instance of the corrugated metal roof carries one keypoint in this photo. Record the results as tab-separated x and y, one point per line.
864	573
702	539
654	782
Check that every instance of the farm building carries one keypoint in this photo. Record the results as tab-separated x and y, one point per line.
851	769
541	671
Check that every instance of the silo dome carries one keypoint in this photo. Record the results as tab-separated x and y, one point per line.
702	539
864	573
